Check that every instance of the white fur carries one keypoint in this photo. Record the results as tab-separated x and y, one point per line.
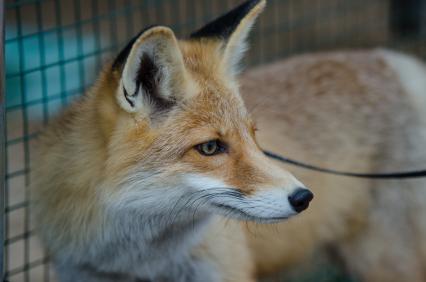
268	204
271	203
412	76
136	236
203	182
411	73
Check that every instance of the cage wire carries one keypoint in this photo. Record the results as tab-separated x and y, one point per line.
55	48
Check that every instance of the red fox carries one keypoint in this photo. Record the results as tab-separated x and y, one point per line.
134	180
156	173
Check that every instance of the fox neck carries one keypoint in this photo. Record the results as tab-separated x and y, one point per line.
174	234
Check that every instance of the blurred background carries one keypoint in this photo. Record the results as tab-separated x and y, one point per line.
54	49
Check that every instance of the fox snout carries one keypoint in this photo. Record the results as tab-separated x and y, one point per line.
280	189
258	190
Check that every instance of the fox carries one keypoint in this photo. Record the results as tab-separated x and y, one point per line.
361	111
152	174
157	172
357	111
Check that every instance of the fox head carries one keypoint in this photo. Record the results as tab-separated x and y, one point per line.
181	137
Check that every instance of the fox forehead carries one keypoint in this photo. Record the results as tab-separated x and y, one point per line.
217	106
214	113
218	98
203	57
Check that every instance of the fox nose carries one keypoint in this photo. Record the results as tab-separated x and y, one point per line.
300	199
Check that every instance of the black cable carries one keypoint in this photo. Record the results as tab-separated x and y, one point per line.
389	175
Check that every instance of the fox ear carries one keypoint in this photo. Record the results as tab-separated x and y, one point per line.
232	30
153	75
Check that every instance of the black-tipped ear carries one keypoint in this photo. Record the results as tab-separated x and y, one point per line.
231	31
225	25
120	60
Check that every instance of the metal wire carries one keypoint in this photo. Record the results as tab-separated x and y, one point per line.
2	143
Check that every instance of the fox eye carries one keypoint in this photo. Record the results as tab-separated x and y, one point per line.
211	148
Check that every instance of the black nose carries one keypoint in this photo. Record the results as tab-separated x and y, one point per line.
300	199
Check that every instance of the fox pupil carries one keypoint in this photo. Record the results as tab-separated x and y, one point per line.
210	148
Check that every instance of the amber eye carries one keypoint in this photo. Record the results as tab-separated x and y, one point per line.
211	148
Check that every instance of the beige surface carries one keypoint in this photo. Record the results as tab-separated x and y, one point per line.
17	194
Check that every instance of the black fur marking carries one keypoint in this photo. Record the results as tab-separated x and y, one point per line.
149	78
225	25
126	95
120	60
236	193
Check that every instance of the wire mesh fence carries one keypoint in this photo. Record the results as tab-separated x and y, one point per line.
54	48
